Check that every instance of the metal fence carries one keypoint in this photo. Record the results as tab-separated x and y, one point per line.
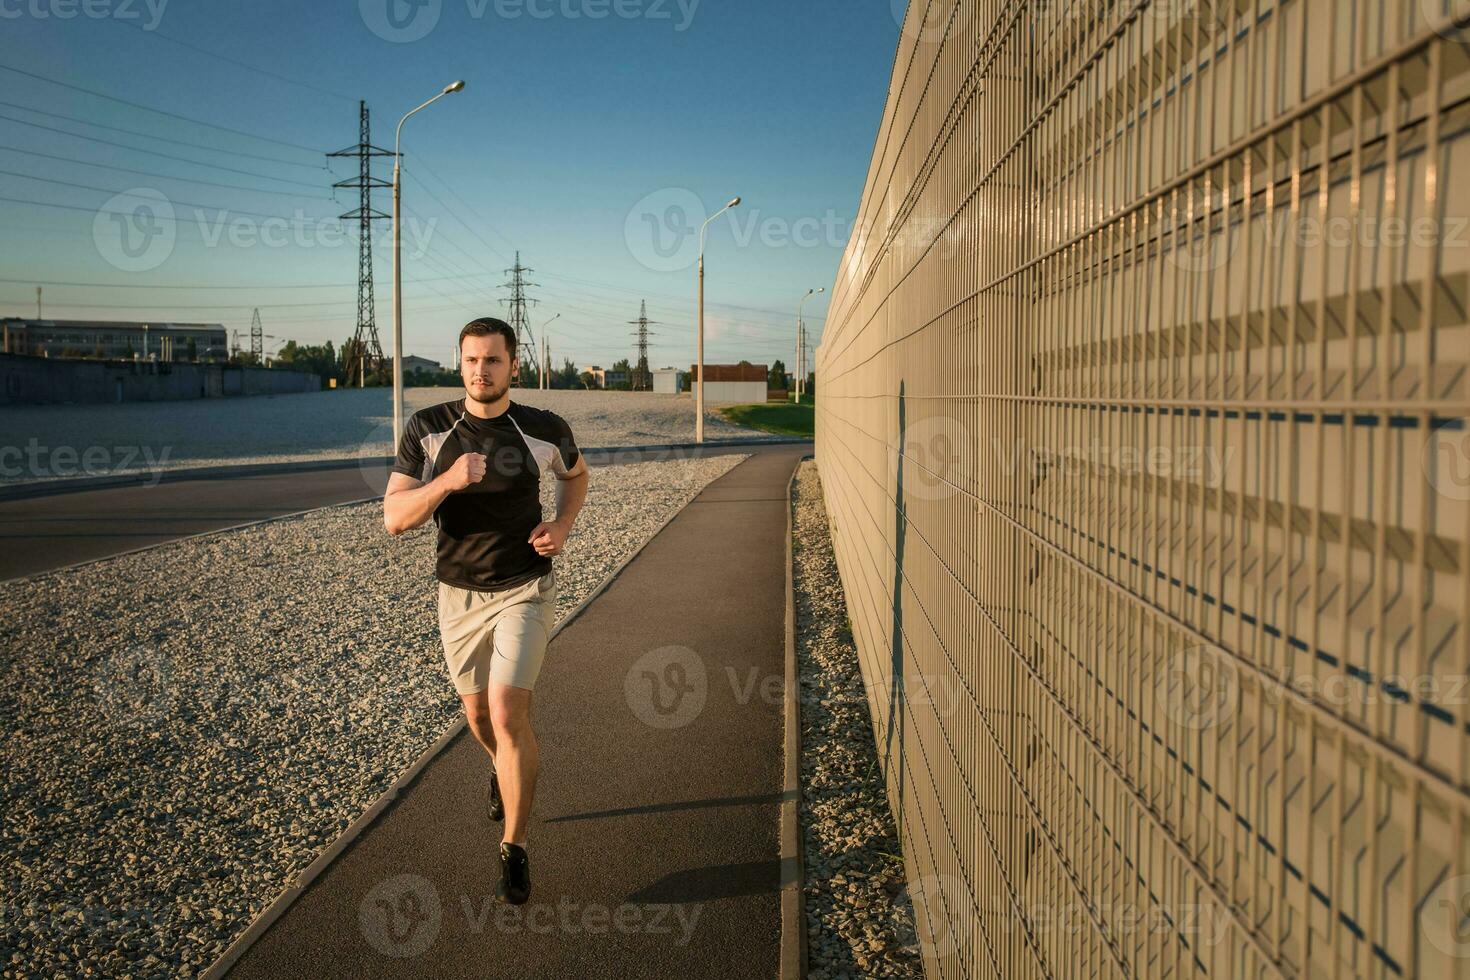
1141	422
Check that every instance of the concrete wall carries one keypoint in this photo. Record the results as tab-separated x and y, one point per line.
46	381
1142	434
735	391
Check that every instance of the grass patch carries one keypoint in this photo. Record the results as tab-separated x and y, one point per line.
779	418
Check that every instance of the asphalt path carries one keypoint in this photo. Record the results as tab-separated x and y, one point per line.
654	840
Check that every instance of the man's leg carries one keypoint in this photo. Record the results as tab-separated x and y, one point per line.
517	758
477	715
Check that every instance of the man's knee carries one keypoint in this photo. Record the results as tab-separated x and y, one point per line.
509	715
477	714
480	724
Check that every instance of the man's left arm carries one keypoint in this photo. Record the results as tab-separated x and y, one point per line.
550	537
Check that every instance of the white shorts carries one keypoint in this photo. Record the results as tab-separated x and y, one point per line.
497	636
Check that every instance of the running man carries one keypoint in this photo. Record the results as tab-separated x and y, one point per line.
474	466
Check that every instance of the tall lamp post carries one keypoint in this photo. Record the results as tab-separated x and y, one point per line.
800	347
398	273
699	353
545	355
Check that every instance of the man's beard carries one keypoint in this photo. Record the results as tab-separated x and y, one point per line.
489	393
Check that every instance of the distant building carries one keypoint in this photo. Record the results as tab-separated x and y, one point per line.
602	378
414	363
114	340
668	381
732	382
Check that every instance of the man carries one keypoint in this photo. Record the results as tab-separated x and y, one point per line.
474	465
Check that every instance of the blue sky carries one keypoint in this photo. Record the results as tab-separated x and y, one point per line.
593	144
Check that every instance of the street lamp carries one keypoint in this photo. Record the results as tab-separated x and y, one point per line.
546	355
800	347
398	274
267	352
699	353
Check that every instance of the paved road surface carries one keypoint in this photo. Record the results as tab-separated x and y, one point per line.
41	533
654	842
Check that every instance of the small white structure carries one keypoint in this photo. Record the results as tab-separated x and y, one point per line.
669	381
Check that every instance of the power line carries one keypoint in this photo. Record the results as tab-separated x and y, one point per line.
150	173
768	334
449	188
161	112
454	213
603	315
150	136
767	330
432	239
234	61
463	251
671	296
113	190
468	309
207	306
609	286
343	318
774	330
254	285
94	211
155	153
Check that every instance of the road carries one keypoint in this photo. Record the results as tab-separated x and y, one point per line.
38	534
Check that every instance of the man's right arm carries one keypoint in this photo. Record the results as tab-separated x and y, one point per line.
408	504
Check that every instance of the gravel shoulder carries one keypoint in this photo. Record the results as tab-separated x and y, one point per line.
192	724
54	442
859	918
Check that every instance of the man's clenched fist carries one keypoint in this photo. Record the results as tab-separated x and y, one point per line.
550	538
469	468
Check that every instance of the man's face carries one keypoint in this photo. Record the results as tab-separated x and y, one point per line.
485	367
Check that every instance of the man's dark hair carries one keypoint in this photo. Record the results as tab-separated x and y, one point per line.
487	325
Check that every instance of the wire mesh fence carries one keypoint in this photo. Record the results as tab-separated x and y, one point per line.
1141	419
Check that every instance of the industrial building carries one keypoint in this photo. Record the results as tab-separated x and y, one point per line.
114	340
412	362
604	378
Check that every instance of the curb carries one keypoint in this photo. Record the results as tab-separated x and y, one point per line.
793	884
303	879
46	488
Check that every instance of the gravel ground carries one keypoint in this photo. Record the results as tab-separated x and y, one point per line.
190	725
52	442
859	916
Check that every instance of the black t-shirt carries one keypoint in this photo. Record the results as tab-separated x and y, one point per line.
483	528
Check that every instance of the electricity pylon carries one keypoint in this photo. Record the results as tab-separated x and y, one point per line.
365	349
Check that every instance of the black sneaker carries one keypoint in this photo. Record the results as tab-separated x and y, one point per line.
496	805
515	875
